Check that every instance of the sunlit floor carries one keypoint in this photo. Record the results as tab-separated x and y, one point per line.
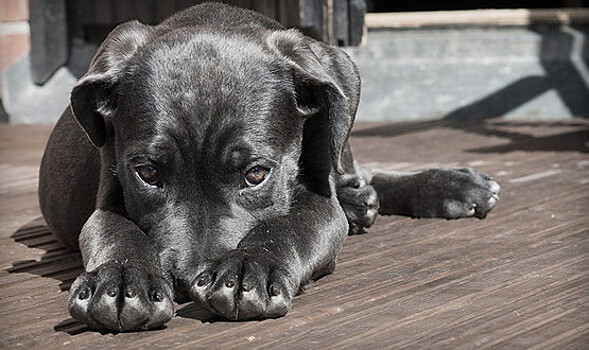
517	279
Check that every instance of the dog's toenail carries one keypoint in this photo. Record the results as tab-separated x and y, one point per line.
246	286
131	293
83	294
274	291
230	284
112	292
157	296
202	281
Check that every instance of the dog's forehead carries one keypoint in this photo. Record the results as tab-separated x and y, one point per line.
211	74
211	89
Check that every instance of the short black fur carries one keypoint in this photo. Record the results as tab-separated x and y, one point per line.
200	100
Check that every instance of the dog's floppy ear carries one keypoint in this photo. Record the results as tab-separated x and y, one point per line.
321	100
95	96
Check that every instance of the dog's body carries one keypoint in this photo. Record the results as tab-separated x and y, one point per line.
212	164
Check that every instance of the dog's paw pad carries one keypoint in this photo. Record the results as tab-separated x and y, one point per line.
119	297
359	201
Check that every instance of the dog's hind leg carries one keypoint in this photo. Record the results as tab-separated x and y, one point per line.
449	193
68	180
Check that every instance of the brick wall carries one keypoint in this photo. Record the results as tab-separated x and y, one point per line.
14	32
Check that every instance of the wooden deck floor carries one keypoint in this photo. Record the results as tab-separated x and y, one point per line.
518	279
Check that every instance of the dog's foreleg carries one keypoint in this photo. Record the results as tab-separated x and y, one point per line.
123	287
274	260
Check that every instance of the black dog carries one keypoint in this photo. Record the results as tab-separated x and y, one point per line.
207	158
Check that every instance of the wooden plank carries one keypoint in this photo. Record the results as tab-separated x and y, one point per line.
266	7
164	9
184	4
357	12
104	11
49	45
315	19
518	279
341	23
240	3
124	10
145	11
288	12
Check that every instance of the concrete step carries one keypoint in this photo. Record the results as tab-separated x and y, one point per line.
474	72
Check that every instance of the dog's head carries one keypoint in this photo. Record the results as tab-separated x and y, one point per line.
212	131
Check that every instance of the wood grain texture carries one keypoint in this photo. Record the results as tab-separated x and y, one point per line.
518	279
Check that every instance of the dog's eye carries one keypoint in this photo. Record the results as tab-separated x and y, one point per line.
149	174
255	176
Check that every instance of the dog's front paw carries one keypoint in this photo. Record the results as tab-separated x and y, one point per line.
242	286
121	297
359	201
454	193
